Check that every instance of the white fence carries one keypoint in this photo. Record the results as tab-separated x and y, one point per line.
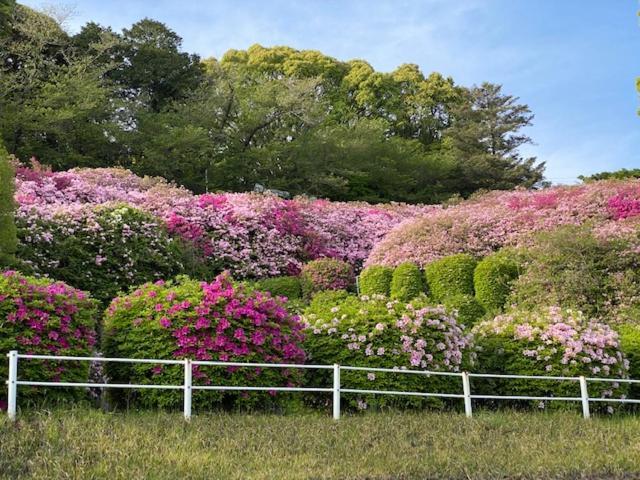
187	387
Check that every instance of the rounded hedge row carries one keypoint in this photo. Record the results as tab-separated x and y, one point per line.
407	282
467	307
375	280
452	275
326	274
39	316
202	321
378	332
288	287
551	341
630	343
492	280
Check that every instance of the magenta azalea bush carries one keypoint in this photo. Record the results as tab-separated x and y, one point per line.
551	341
202	321
48	318
498	219
378	332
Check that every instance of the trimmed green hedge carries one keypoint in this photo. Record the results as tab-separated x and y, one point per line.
630	343
376	280
468	308
452	275
281	286
407	282
492	280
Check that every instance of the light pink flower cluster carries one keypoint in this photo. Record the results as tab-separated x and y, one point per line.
491	221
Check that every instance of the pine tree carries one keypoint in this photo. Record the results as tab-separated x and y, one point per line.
8	231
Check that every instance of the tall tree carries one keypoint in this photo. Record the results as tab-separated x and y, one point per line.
486	137
8	232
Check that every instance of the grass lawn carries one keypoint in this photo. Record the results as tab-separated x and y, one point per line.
91	444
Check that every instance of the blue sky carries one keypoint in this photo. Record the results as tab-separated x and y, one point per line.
573	61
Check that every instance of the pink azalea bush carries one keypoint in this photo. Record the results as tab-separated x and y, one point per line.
483	225
550	341
48	318
202	321
378	332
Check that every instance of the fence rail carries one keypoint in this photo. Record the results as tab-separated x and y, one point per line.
187	386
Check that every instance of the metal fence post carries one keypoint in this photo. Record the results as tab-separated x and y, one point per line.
584	394
188	375
466	390
336	391
12	384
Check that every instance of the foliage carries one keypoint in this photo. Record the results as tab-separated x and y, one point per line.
376	332
201	321
47	318
489	222
375	280
492	280
407	282
452	275
630	344
102	250
326	274
288	287
468	308
549	341
621	174
328	298
8	235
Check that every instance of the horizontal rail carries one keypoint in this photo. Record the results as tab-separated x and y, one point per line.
614	400
612	380
400	370
525	377
524	397
260	389
398	392
102	359
98	385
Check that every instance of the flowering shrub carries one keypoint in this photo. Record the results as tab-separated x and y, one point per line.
492	280
550	341
202	321
452	275
102	250
375	280
326	274
378	332
49	318
484	224
407	282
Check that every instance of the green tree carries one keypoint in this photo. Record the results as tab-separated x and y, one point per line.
8	232
617	175
486	137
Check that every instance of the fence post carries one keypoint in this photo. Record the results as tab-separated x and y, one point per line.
188	372
12	384
466	390
336	391
584	394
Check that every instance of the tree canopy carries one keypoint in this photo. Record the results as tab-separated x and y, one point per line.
294	120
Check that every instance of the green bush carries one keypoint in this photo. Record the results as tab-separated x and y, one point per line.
288	287
328	298
8	235
492	280
326	274
202	321
452	275
40	316
407	282
382	333
548	341
375	280
468	308
630	343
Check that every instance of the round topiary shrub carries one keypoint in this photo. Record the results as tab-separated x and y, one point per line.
492	280
407	282
100	250
630	343
326	274
553	342
468	308
202	321
378	332
288	287
39	316
375	280
452	275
